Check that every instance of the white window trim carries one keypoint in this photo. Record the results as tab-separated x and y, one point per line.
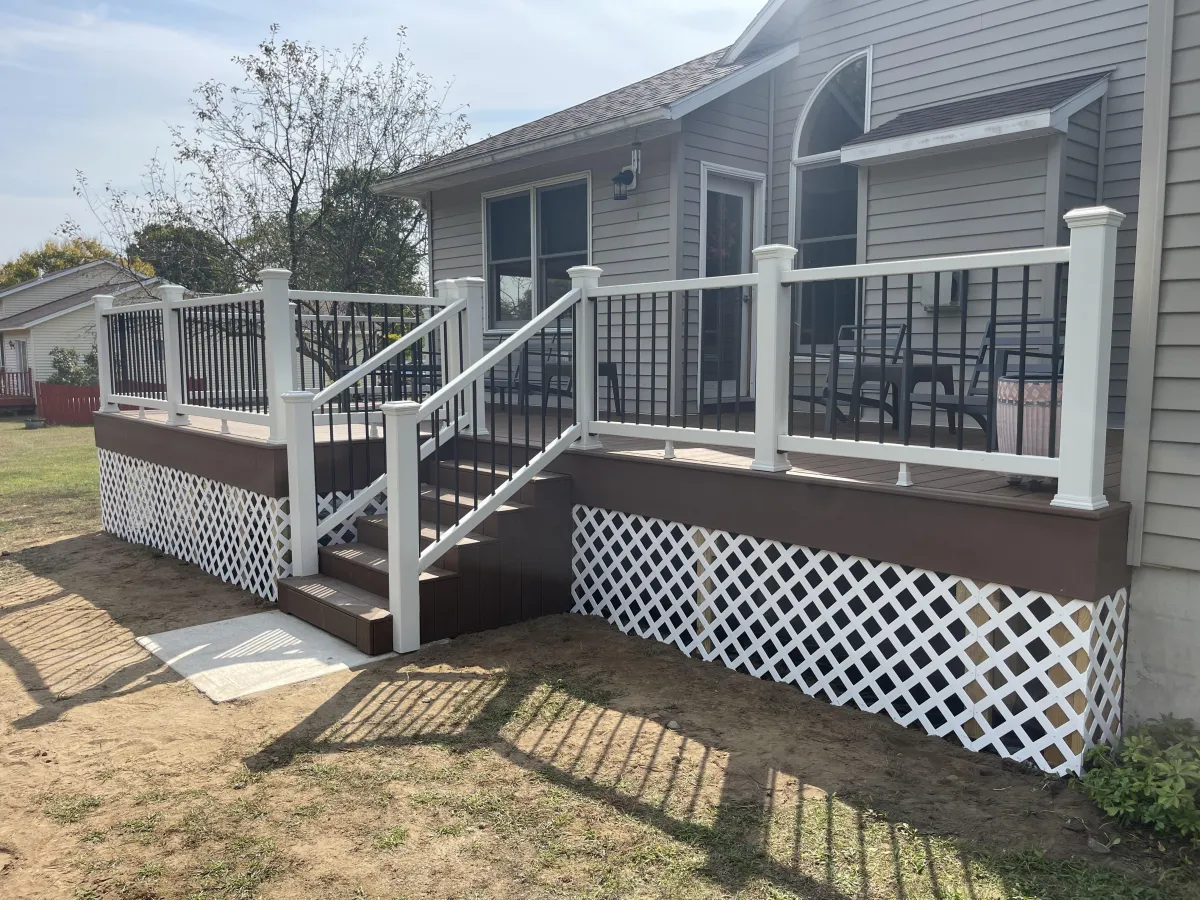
758	180
833	157
530	188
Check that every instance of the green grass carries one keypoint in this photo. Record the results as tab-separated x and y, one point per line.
49	479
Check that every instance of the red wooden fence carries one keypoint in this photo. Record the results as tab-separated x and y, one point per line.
67	404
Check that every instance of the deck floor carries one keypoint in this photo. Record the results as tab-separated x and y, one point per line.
804	465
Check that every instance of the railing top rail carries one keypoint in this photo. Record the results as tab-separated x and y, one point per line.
385	355
218	300
1035	256
747	279
131	307
513	342
347	297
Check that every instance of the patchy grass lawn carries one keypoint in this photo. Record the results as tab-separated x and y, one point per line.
557	758
48	482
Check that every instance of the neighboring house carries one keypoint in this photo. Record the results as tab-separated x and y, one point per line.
56	311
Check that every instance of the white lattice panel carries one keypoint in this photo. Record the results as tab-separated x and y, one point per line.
239	536
1023	674
347	532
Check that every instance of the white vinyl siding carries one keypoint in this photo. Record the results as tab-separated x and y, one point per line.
74	330
63	286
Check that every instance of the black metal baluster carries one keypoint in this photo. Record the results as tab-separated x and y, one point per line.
812	368
1055	353
1021	360
964	282
992	377
933	379
883	373
900	410
624	365
637	362
855	411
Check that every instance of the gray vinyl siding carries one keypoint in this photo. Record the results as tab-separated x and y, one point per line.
1082	160
934	51
631	239
1172	511
631	242
733	132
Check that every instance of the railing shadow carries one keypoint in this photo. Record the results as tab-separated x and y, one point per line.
59	603
751	819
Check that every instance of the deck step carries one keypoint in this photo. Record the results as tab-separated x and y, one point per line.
543	487
366	567
347	612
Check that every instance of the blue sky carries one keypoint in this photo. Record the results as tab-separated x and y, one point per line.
94	86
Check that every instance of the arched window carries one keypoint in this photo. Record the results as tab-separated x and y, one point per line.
824	220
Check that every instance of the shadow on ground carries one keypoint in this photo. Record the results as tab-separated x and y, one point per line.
768	784
60	601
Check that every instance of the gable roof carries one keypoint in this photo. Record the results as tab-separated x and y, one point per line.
1036	98
52	309
667	95
34	282
753	39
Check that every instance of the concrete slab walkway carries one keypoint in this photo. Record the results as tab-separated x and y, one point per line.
243	656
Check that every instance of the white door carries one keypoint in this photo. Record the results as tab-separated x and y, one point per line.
725	315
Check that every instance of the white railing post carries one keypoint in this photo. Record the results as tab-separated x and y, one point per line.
172	353
773	318
277	335
1086	357
103	303
402	455
471	289
585	279
446	290
302	480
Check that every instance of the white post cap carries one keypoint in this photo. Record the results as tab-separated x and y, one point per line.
775	251
1094	215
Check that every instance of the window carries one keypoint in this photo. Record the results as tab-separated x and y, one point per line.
826	220
533	238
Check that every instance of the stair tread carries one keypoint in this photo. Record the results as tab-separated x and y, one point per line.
374	558
487	467
346	597
429	532
464	499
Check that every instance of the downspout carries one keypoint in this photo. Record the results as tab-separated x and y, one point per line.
427	204
769	199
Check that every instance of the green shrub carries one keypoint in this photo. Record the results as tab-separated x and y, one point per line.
1152	778
71	368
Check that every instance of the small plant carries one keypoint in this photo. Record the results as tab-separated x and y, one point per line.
391	839
1152	778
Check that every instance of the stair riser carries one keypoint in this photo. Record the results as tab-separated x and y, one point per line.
370	637
362	577
535	493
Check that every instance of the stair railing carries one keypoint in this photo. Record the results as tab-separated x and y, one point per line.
348	413
550	357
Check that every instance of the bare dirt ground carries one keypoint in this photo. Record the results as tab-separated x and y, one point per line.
557	758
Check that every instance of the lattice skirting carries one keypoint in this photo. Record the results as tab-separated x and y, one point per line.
241	537
347	533
1023	674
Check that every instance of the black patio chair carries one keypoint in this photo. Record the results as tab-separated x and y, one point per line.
874	343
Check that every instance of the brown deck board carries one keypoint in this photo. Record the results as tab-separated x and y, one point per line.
805	465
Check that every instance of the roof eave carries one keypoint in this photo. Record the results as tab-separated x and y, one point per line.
975	134
416	184
742	44
406	185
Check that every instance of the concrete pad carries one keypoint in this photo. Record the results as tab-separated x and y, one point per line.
239	657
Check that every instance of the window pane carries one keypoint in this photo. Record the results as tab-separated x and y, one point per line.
562	219
724	248
508	228
827	305
828	202
837	114
511	290
555	280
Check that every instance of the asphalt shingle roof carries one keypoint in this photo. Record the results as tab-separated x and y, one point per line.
656	91
980	109
50	307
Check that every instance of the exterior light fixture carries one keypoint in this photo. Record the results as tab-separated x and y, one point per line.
626	179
